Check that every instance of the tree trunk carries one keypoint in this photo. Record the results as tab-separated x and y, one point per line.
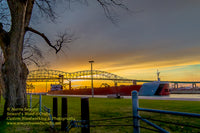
14	70
0	95
14	75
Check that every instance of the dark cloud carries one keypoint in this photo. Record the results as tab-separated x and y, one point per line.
153	32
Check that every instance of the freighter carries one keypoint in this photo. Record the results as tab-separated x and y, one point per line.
147	89
158	88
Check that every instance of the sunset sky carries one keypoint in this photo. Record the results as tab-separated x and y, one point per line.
153	35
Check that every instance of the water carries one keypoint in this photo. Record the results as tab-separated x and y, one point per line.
184	96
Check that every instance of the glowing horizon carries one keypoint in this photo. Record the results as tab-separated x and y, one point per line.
167	73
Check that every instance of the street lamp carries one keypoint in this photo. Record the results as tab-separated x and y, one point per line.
91	61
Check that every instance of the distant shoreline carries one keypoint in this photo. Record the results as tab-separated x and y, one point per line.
185	92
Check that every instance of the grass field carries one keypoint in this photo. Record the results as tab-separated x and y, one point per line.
103	108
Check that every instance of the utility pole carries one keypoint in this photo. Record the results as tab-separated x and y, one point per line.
46	85
91	61
158	75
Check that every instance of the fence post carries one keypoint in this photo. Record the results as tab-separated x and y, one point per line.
64	114
40	104
85	115
135	105
55	107
30	101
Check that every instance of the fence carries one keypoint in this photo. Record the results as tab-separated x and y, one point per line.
137	117
45	109
85	122
37	103
50	116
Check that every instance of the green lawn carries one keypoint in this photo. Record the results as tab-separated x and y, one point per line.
102	108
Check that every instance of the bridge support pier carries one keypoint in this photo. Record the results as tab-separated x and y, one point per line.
70	85
61	79
175	85
194	85
134	82
115	84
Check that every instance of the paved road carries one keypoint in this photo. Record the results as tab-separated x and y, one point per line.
140	97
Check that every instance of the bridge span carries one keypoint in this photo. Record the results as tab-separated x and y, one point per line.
45	75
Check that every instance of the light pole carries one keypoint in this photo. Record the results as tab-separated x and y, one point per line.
91	61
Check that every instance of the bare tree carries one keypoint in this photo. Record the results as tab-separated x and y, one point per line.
32	54
17	14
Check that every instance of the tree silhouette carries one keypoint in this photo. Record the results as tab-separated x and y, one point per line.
15	17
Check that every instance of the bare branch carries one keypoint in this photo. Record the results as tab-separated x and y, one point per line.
63	38
108	7
28	57
35	62
31	53
46	8
120	4
32	50
43	36
107	3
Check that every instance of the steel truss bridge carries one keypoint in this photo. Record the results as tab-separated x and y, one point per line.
44	75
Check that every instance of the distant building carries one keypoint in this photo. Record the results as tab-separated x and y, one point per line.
56	87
